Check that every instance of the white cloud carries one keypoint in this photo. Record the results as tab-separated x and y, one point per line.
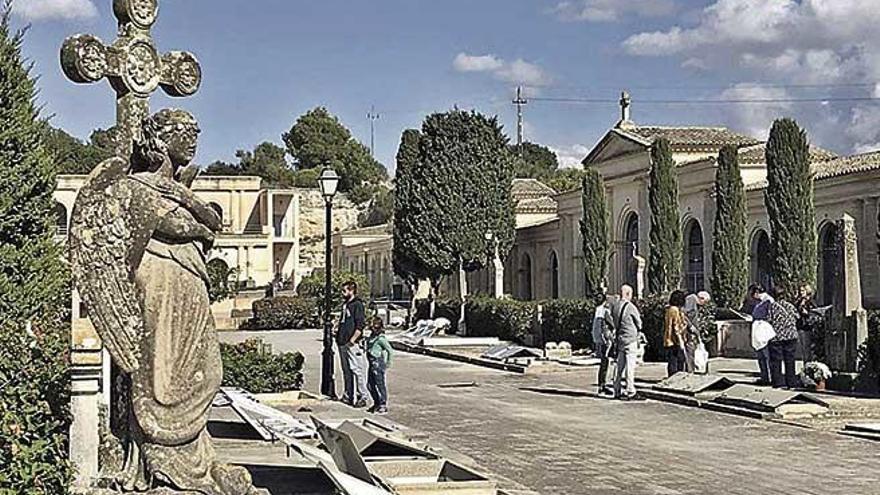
42	10
792	43
751	118
518	72
571	156
476	63
611	10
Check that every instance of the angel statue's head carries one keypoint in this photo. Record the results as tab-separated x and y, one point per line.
170	134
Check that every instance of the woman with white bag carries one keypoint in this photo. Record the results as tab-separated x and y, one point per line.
762	331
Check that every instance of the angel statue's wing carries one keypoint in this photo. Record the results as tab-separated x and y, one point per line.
100	242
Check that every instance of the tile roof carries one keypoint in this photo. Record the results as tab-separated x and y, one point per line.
530	188
688	136
755	154
837	167
544	204
385	228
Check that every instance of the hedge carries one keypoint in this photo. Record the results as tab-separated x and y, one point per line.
569	320
653	310
507	319
443	308
284	313
251	365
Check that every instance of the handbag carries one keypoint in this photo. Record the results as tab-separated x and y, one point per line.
762	334
701	359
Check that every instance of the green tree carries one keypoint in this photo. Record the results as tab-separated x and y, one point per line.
381	208
318	139
104	140
565	180
664	258
536	162
313	287
453	188
221	280
71	155
419	251
595	231
34	288
729	245
220	167
789	201
268	161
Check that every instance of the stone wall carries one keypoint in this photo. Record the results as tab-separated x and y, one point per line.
345	216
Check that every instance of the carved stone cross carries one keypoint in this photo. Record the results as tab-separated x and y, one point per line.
133	66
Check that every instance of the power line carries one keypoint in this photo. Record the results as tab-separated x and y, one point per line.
655	87
722	101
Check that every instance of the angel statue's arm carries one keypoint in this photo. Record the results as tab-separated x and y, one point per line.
179	225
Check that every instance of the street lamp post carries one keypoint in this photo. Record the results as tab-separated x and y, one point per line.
328	181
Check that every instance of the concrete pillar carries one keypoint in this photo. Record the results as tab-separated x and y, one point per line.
85	398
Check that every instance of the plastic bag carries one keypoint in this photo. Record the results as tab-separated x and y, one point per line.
762	333
701	359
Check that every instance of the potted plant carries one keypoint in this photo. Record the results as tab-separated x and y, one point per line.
817	374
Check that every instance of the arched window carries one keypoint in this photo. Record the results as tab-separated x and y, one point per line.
827	264
60	219
761	270
554	275
217	209
694	257
630	249
525	278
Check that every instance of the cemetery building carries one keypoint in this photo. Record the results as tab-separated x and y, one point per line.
546	261
261	225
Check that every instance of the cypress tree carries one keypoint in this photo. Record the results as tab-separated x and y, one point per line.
664	259
729	246
33	290
789	201
594	231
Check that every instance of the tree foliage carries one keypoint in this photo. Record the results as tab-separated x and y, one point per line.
222	280
454	183
312	287
789	201
72	156
381	208
318	139
565	180
730	252
34	287
537	162
268	161
664	259
595	232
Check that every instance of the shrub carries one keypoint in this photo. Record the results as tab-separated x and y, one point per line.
869	356
653	309
570	320
221	277
251	365
34	415
443	308
313	287
506	319
285	313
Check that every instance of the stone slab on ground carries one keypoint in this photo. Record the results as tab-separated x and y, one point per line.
557	444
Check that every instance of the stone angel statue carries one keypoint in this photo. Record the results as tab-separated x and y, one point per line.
138	243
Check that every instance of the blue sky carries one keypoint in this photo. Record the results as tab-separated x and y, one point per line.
267	61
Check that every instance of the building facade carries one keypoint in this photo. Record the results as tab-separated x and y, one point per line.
547	257
260	238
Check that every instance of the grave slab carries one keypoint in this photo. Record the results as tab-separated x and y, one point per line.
693	384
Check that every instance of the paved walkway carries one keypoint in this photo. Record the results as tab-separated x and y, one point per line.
564	445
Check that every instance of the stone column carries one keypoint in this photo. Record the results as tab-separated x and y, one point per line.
849	320
85	365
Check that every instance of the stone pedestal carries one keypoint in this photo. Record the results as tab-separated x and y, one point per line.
86	396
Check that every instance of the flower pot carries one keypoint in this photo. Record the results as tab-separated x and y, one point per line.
820	385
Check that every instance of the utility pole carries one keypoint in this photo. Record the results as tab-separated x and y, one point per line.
519	102
373	117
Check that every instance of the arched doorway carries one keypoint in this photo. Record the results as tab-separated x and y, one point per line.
694	257
554	275
60	219
827	265
525	278
630	250
761	269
